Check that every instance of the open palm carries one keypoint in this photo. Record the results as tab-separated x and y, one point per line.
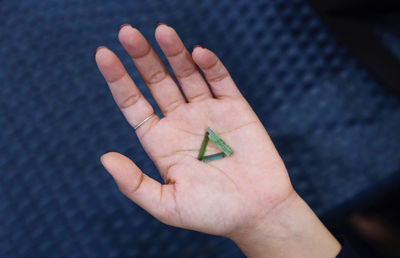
218	197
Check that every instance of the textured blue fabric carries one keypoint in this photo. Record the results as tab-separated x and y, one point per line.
336	128
347	252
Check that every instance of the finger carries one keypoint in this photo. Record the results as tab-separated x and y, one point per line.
163	88
127	96
192	82
215	72
146	192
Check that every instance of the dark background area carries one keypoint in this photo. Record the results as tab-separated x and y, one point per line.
335	125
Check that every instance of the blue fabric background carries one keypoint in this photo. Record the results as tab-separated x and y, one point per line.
336	128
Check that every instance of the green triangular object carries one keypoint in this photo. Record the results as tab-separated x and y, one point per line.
203	147
214	157
221	144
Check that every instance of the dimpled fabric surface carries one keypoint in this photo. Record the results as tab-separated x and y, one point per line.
335	126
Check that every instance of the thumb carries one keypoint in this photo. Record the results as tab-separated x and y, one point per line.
146	192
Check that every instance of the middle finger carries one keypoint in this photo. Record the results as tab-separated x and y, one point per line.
160	83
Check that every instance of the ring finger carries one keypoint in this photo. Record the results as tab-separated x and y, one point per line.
160	83
192	82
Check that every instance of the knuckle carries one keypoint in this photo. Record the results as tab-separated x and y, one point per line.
213	65
156	77
177	53
138	185
218	77
186	72
172	105
130	101
199	97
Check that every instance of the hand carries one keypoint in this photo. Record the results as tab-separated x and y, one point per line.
235	196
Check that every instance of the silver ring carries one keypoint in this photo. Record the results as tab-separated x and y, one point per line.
147	118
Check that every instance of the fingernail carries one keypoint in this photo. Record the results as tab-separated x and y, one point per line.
197	47
161	23
123	25
101	158
100	47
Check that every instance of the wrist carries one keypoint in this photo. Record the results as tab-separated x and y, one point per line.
291	229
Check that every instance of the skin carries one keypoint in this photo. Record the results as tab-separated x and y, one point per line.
248	196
